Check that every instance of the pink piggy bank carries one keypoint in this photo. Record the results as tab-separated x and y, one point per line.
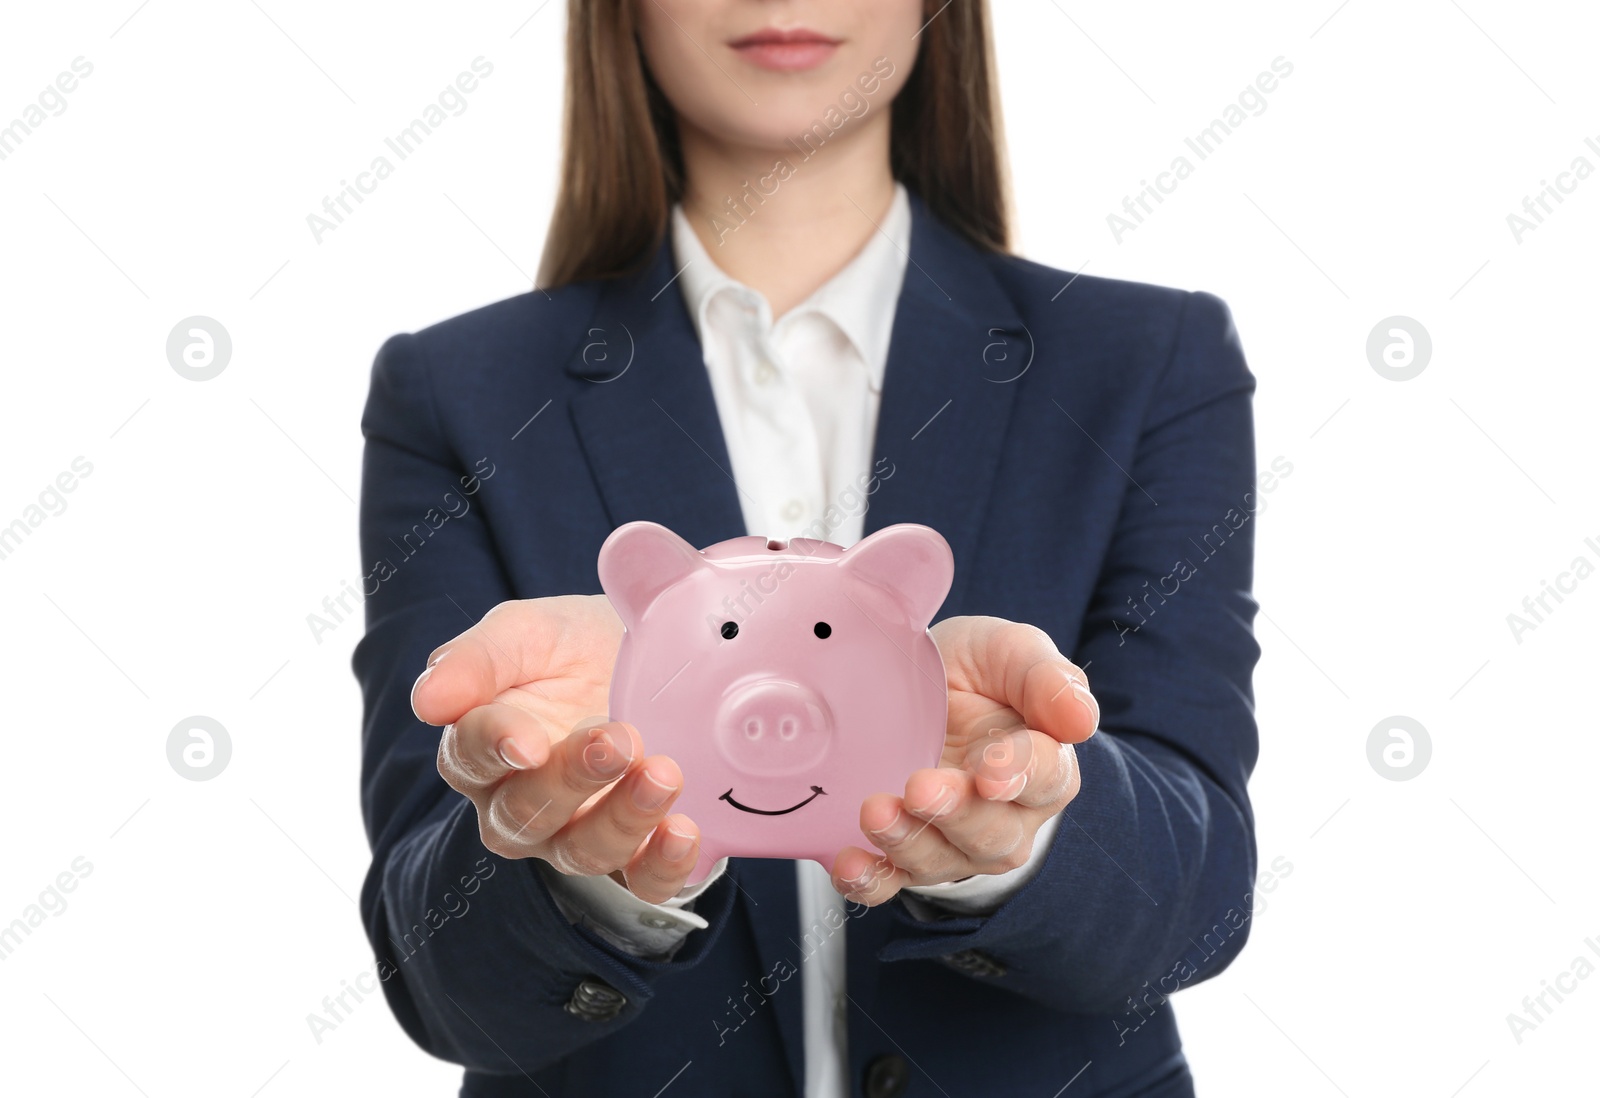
788	681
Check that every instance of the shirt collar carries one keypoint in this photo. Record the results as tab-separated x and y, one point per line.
860	299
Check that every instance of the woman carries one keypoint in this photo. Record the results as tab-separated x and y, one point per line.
778	300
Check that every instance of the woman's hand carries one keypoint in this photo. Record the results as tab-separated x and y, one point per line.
1016	708
517	694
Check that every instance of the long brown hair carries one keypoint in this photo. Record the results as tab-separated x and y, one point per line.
622	166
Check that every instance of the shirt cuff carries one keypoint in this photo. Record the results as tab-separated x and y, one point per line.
985	893
647	930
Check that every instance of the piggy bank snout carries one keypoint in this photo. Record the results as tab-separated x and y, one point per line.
774	727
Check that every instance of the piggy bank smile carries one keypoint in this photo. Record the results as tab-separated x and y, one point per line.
816	791
766	669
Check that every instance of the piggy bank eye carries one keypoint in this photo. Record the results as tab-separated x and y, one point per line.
730	629
822	629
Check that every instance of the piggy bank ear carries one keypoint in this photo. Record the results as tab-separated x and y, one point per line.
638	562
911	562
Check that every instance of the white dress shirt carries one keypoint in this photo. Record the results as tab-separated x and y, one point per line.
798	399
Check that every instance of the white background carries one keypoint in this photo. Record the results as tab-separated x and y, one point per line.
1419	514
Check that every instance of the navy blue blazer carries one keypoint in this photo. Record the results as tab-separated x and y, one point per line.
1088	454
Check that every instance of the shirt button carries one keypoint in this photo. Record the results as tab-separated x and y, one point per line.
657	922
766	373
793	510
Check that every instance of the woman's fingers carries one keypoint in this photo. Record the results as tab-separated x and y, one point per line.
946	828
941	830
587	804
1019	767
865	878
487	744
659	869
518	816
607	835
1002	762
1026	768
1057	784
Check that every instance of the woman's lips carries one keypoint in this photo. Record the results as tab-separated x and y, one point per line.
785	50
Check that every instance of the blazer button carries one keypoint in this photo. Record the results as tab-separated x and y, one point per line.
886	1077
975	963
596	1001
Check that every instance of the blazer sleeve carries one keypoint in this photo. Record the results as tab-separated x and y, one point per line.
1147	884
476	959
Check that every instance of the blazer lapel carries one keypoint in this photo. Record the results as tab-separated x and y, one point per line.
647	418
955	352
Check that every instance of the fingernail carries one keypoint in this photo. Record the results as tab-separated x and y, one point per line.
1086	699
422	678
863	879
1012	789
512	755
433	661
649	794
675	846
896	832
938	803
608	754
